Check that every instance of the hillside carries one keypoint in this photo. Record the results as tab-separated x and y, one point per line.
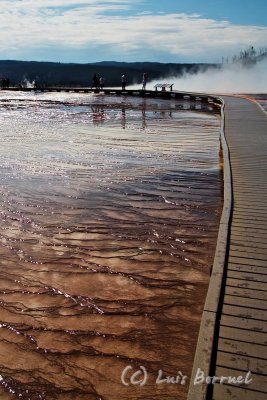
49	73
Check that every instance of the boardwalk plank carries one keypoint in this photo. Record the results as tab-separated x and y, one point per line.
252	225
260	254
250	247
245	312
243	348
250	220
260	286
244	323
245	240
248	208
247	293
250	205
258	384
248	232
244	363
227	332
244	301
247	268
248	261
225	392
247	276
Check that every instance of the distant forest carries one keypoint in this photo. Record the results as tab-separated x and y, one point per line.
60	74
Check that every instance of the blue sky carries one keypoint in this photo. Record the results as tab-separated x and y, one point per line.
130	30
236	11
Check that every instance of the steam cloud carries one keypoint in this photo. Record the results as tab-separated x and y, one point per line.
231	78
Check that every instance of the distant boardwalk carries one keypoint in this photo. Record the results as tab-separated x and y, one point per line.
240	341
164	94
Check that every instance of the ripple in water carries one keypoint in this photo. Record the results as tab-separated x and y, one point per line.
109	217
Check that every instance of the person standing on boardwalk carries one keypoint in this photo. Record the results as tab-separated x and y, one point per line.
96	82
144	81
101	82
123	81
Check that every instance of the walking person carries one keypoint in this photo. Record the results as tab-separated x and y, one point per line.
123	81
144	81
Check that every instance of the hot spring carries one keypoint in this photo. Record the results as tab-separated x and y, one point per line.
109	209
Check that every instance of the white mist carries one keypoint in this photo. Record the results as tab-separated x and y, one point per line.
231	78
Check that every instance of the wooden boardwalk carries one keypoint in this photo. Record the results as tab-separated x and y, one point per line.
242	337
234	331
164	94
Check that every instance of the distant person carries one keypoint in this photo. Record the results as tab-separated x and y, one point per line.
101	82
35	83
4	83
93	81
123	81
96	81
144	81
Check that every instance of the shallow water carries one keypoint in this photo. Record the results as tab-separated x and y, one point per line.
109	216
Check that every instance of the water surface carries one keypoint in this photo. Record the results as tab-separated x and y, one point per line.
109	217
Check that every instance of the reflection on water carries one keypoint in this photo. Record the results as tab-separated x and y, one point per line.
109	216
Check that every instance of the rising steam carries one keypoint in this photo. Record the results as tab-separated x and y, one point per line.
230	78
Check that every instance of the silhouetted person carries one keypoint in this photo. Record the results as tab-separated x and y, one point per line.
101	82
123	81
96	81
4	83
36	83
144	81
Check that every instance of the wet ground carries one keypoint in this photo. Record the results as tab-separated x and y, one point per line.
109	217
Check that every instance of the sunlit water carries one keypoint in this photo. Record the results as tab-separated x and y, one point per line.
109	218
